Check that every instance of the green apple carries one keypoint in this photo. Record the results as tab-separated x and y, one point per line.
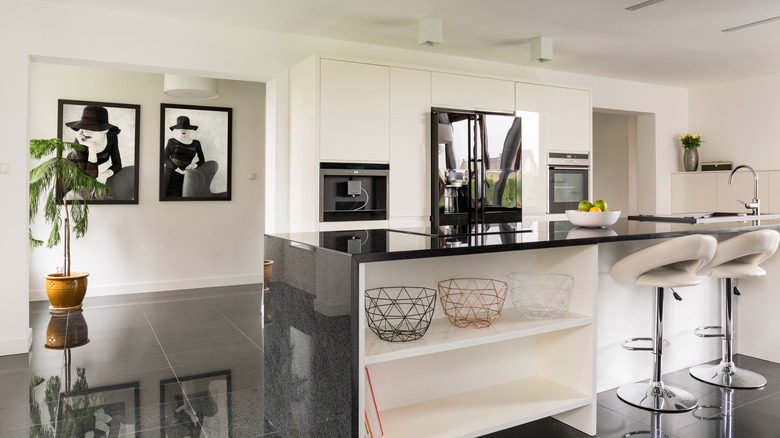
584	205
601	204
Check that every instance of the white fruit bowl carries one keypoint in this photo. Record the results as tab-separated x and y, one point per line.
593	219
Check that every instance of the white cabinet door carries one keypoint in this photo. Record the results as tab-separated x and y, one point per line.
772	203
569	122
354	112
693	192
565	115
531	102
410	153
470	92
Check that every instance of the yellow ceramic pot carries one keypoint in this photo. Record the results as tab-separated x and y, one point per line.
66	293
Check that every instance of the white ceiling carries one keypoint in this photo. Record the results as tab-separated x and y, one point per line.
672	42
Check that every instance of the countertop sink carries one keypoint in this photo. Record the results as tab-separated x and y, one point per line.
702	218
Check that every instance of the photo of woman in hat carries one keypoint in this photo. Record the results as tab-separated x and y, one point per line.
187	173
102	157
195	153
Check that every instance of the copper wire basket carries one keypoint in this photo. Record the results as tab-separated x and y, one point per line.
400	314
472	302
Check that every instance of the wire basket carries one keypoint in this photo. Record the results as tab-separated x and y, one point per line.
400	314
538	295
472	302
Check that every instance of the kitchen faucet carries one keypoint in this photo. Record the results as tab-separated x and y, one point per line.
753	204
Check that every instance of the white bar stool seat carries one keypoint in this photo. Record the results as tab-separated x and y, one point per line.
735	258
671	263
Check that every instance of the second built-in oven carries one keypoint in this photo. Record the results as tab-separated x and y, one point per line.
568	175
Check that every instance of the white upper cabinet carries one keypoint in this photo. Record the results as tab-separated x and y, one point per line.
471	92
410	153
569	121
565	119
354	112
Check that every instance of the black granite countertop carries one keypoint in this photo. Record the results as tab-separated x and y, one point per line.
405	243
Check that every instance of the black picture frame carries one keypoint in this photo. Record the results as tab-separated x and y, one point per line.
119	412
210	177
123	145
207	405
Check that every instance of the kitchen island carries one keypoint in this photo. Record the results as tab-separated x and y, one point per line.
467	382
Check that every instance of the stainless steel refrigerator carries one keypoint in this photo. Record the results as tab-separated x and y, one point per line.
475	168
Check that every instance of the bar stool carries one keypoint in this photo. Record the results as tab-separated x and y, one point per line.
672	263
735	258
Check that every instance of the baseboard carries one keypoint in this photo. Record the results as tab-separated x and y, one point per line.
158	286
13	346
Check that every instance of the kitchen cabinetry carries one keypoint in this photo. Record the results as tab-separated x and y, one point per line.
564	115
354	112
471	92
694	192
557	119
363	112
469	382
410	106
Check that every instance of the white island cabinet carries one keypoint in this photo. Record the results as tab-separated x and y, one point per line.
457	382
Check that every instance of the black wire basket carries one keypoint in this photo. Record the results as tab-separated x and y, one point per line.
400	314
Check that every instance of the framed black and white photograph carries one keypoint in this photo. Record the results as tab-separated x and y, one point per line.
205	408
195	153
110	134
108	411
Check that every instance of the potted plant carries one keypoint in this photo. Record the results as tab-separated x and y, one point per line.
53	182
691	142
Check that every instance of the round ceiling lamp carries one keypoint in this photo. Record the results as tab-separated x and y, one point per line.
188	87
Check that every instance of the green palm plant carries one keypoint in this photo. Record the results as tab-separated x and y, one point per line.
50	181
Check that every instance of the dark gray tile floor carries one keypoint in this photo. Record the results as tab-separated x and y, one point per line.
190	363
722	413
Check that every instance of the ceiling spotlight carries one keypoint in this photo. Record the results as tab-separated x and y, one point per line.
541	49
189	87
429	31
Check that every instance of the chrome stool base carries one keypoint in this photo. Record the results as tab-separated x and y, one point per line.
657	397
728	375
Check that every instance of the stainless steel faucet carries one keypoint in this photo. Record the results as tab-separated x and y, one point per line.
753	204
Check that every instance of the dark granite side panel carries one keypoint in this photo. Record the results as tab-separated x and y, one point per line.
308	342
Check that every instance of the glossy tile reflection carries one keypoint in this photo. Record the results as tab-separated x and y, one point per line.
191	363
176	364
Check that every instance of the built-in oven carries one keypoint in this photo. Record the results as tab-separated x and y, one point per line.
568	175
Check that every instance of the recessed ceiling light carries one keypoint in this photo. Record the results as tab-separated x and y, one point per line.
755	23
643	5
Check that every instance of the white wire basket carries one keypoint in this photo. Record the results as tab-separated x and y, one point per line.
540	295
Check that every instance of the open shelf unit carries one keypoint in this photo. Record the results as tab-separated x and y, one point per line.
457	382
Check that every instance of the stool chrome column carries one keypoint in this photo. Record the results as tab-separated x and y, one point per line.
672	263
735	258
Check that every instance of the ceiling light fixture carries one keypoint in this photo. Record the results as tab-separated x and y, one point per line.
541	49
755	23
643	5
189	87
429	31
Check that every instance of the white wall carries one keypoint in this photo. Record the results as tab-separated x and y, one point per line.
611	160
157	245
45	31
738	122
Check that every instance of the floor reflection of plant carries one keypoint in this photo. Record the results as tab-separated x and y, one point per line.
76	414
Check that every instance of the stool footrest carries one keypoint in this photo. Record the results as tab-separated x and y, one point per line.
627	344
701	331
